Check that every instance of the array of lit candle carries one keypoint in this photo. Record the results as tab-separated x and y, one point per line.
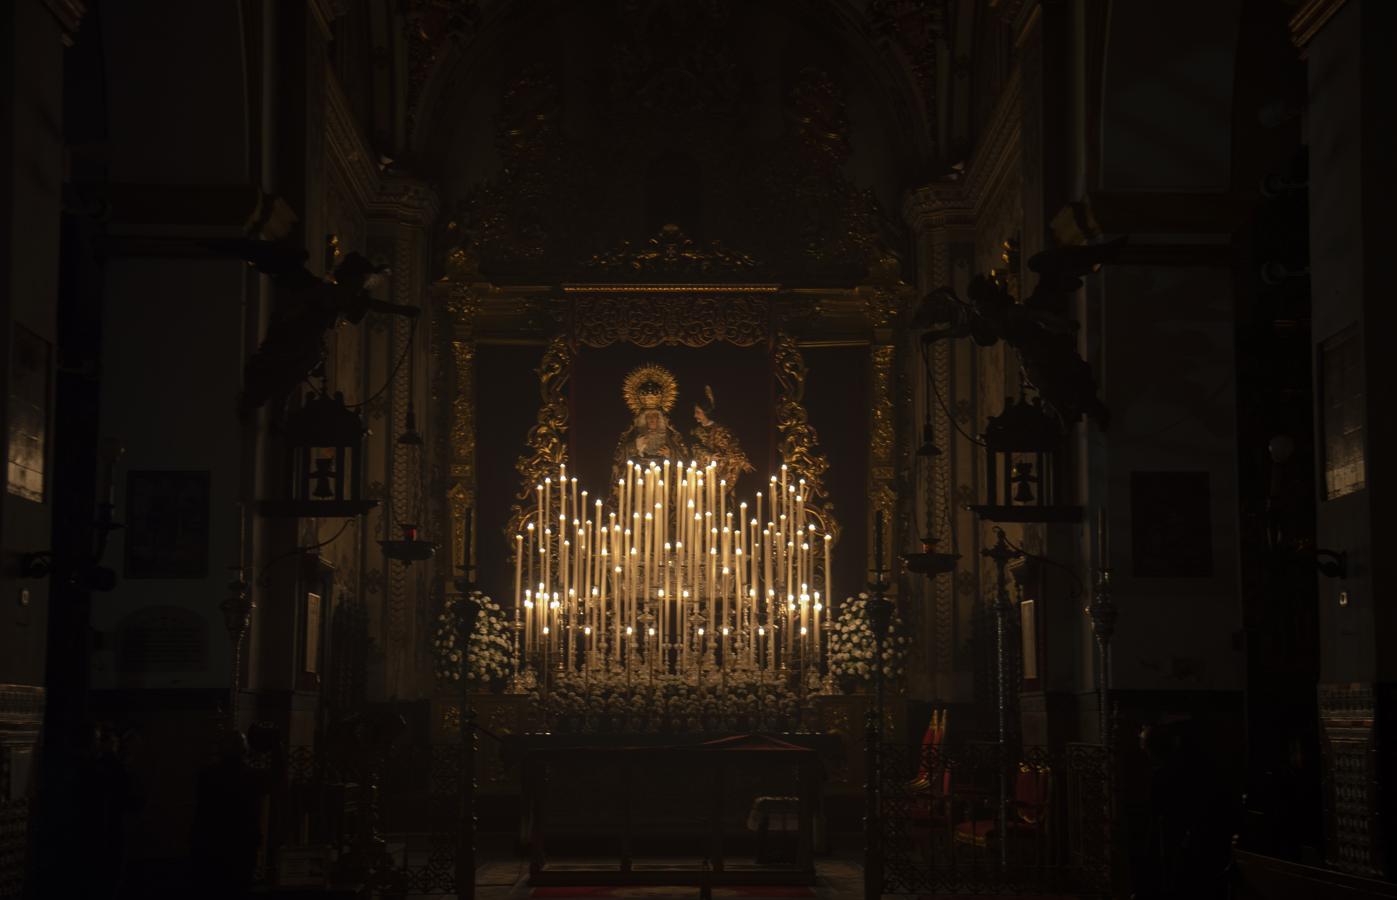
669	575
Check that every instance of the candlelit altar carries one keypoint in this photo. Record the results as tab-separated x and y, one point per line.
667	600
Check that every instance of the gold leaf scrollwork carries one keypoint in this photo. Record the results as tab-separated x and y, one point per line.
798	440
690	319
463	412
671	254
459	498
547	440
882	437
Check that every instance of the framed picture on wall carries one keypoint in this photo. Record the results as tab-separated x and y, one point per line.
316	604
167	524
1028	626
28	406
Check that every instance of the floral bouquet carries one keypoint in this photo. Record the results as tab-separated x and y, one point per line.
851	644
488	661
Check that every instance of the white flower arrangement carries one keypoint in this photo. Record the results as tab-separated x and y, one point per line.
851	644
490	646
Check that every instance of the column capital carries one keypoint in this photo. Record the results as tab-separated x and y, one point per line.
404	199
1310	18
69	14
938	205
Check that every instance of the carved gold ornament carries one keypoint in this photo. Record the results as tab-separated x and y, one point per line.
688	316
650	387
798	440
547	441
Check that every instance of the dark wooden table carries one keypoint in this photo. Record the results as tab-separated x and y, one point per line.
616	764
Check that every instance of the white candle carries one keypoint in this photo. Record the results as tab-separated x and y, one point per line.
518	587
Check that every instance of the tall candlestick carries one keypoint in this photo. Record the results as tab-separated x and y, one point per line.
518	569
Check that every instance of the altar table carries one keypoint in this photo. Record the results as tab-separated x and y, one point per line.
624	770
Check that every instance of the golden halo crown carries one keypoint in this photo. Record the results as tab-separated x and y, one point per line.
650	387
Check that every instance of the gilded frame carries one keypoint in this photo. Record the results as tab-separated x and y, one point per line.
561	319
684	315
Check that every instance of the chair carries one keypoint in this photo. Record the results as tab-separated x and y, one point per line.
932	741
930	791
1027	815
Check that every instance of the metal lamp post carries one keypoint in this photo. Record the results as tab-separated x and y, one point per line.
465	850
880	610
1002	554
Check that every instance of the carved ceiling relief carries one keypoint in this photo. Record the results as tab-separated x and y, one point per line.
916	29
512	218
675	59
557	202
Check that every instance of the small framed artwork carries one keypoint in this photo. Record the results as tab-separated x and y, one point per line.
27	405
167	524
312	666
1028	626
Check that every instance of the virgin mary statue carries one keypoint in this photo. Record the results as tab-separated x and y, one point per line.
650	392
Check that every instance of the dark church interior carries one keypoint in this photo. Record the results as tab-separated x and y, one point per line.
516	449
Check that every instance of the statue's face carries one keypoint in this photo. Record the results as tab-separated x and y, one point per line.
652	421
699	416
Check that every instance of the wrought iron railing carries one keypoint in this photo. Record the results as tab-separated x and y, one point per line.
386	835
947	826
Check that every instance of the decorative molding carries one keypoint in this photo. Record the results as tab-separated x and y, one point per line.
798	441
547	440
346	147
21	707
404	200
670	317
384	198
671	254
882	452
916	29
1310	18
1353	827
527	221
461	466
959	200
461	500
463	412
69	14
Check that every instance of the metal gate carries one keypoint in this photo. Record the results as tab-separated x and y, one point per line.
387	813
973	821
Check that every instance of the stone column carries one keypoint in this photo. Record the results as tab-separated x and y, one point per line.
1352	70
400	218
942	218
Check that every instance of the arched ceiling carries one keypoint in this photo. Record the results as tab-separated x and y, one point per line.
786	129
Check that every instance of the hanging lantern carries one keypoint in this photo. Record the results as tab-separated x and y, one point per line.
324	462
1024	477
